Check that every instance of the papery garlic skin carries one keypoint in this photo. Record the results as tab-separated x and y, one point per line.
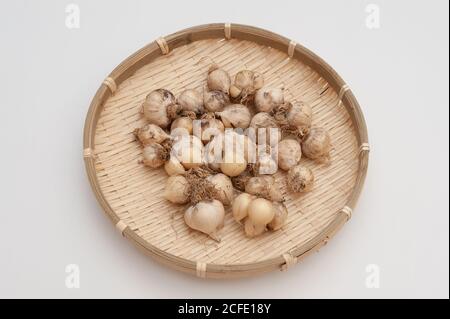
264	186
289	153
151	133
155	107
317	145
246	82
215	101
174	167
266	99
280	216
300	116
177	189
191	101
224	187
154	155
206	217
240	206
235	116
300	179
219	79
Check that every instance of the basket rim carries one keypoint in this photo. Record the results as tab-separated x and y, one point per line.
242	32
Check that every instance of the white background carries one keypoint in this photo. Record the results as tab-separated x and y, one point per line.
50	218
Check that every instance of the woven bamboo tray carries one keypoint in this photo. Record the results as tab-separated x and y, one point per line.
131	194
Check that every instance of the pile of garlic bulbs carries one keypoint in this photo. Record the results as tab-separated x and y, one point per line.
220	147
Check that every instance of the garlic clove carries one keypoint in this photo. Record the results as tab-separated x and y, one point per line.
206	216
218	79
264	186
300	116
300	179
215	101
191	101
280	216
244	79
289	153
174	167
235	116
261	211
181	126
155	107
224	187
189	151
235	91
151	133
177	189
154	155
209	128
317	145
252	230
266	129
233	164
240	206
266	99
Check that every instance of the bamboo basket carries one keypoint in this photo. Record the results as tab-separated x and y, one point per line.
131	194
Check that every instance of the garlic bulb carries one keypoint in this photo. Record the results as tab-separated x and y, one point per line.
191	101
300	179
280	216
240	206
289	153
235	116
266	99
317	145
218	79
154	155
151	133
260	213
209	128
177	189
265	128
264	186
155	107
206	217
222	184
246	82
215	101
174	167
300	116
181	126
189	151
233	163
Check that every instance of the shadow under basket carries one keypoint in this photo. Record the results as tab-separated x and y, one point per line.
132	195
